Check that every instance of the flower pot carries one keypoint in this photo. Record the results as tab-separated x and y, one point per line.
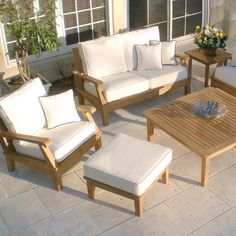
209	51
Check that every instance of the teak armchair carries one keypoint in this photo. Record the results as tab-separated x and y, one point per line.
48	163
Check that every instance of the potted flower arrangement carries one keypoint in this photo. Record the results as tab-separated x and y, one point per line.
210	38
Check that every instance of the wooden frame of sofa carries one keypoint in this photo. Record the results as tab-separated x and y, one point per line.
48	166
100	101
216	83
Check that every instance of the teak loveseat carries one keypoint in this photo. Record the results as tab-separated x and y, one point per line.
120	70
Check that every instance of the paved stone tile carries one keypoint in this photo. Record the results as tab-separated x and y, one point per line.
71	221
74	191
157	100
3	228
178	148
161	192
108	209
3	194
15	182
197	206
223	161
186	171
223	185
223	225
159	220
22	210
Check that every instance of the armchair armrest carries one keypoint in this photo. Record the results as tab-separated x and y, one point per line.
86	108
88	78
183	59
27	138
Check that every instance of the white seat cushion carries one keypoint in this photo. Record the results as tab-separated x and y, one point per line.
21	111
120	85
226	74
128	163
130	39
64	140
103	57
167	75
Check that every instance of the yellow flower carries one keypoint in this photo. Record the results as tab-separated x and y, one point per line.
199	40
206	26
197	36
217	34
205	38
197	27
221	35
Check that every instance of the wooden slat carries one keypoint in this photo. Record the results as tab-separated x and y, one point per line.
205	137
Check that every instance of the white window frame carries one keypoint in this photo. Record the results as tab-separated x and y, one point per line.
64	49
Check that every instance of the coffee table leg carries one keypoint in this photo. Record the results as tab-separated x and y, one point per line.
206	76
150	130
205	171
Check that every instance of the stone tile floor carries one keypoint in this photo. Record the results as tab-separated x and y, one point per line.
29	205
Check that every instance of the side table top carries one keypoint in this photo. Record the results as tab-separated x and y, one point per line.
199	55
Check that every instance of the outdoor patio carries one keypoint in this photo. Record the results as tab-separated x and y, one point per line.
29	205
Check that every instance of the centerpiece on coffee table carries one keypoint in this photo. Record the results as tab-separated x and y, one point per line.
209	39
209	109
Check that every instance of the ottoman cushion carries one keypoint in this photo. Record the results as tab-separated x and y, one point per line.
128	164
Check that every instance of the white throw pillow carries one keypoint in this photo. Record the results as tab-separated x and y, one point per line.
168	52
103	57
21	111
59	109
233	60
149	57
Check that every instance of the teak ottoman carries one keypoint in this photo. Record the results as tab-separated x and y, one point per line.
129	167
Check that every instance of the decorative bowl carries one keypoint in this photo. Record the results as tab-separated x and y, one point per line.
209	109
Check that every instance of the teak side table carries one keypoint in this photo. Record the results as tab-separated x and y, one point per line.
199	55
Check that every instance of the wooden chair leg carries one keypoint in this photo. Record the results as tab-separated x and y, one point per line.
57	181
105	116
139	205
165	176
10	163
98	144
187	90
91	189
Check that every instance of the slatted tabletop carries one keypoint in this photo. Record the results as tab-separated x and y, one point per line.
205	137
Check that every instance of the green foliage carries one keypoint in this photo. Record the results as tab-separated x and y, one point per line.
34	31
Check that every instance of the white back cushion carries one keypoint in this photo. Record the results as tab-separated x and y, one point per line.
103	57
59	109
21	111
168	52
149	57
130	39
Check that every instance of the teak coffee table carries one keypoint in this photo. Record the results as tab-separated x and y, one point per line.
198	55
205	137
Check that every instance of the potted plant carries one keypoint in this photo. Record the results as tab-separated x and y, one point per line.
34	30
210	38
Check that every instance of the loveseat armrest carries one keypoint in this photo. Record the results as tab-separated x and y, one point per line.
27	138
86	108
183	59
87	78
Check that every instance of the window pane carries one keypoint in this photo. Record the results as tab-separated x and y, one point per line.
85	33
99	14
84	17
179	8
163	31
8	35
42	5
100	29
192	22
157	11
70	20
83	4
138	13
194	6
98	3
27	9
68	6
71	36
178	28
10	48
